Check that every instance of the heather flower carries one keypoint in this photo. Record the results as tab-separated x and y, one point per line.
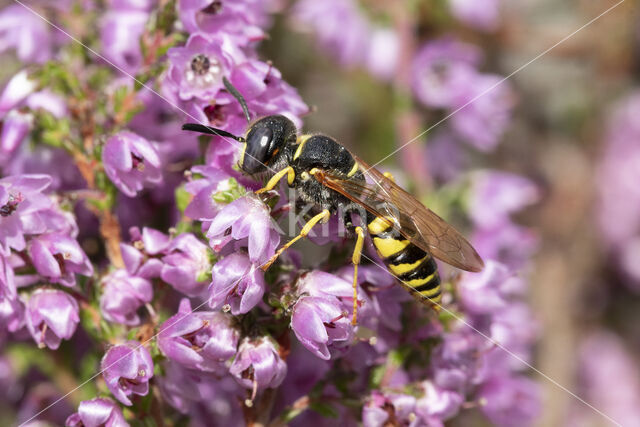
241	20
258	365
18	88
486	292
120	32
11	313
248	218
480	14
21	202
443	71
186	265
338	26
396	409
509	244
609	379
26	33
14	128
127	369
123	295
484	111
618	208
97	412
58	258
319	322
52	316
141	258
48	101
237	282
201	340
496	195
196	69
131	162
202	206
7	283
438	403
510	400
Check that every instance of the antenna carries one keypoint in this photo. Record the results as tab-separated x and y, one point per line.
196	127
238	96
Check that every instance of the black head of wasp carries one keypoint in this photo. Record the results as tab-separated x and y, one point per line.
406	234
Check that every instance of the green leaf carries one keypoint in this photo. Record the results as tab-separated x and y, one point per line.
324	409
183	197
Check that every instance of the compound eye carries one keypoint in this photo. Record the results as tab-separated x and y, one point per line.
257	151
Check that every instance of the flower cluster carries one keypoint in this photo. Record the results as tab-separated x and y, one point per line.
152	242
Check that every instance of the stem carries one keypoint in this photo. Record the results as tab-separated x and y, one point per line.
407	119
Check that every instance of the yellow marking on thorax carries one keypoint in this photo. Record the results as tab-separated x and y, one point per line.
380	225
400	269
301	141
389	247
353	170
419	282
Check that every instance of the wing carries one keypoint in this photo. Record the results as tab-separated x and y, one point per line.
418	224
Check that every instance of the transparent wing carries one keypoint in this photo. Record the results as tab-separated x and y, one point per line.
420	225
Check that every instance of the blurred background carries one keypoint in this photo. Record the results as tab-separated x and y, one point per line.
568	123
574	131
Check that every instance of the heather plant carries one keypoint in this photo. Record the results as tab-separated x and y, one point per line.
131	251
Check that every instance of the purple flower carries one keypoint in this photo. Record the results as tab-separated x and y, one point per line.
27	33
508	244
239	19
7	282
495	195
186	265
127	369
201	340
618	207
58	258
258	365
48	101
196	69
397	409
338	25
21	201
120	32
609	378
237	282
484	111
480	14
510	400
437	402
97	412
52	316
123	295
11	313
486	292
319	322
14	128
248	218
141	258
131	162
203	207
18	88
443	71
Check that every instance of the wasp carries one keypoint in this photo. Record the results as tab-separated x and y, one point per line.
406	234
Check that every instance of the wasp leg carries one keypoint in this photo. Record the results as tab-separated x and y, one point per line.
389	176
355	260
324	215
291	175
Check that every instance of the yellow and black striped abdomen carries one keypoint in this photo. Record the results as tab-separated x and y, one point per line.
414	267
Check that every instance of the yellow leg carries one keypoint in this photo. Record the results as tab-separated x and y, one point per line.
291	175
355	260
324	215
